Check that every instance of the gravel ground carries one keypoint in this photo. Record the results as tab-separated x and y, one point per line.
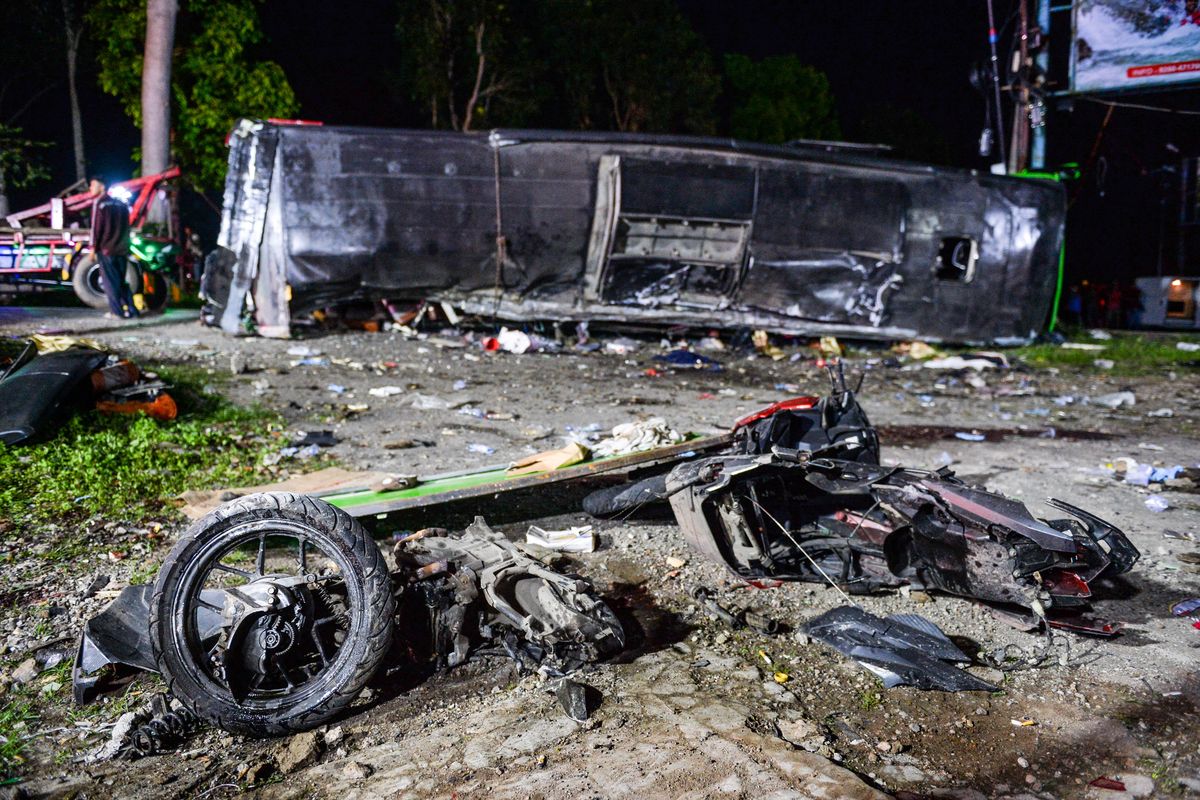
693	710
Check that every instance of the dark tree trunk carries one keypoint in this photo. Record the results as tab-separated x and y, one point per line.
74	33
156	85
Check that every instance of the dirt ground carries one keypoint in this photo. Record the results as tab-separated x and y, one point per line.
692	709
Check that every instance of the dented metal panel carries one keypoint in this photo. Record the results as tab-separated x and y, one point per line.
566	226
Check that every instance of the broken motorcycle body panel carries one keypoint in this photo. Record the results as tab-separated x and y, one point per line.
900	649
272	612
810	238
788	516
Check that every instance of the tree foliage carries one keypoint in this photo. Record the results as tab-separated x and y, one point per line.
457	59
779	99
214	79
607	64
19	163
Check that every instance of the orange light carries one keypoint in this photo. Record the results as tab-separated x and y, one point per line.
1177	282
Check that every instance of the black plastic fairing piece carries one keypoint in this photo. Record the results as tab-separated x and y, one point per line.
901	649
35	393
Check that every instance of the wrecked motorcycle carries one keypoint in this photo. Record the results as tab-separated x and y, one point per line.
798	515
273	612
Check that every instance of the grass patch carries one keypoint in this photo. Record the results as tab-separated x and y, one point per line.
1131	353
128	467
15	717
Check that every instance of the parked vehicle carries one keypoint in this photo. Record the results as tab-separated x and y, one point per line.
49	246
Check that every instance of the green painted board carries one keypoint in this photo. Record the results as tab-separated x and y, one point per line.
491	481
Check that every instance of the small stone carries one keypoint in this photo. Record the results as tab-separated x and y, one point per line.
334	736
1023	762
300	751
674	562
884	747
798	732
914	727
26	671
981	711
356	771
258	772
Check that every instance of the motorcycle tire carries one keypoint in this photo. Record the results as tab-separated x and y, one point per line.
363	575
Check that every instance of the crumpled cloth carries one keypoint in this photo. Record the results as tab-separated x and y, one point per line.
634	437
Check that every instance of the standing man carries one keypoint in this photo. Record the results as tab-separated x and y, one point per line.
110	243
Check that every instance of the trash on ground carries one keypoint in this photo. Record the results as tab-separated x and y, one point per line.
1116	399
634	437
476	447
1188	347
746	618
1104	363
901	649
580	539
319	438
686	358
975	361
565	456
1156	503
385	391
970	437
1104	782
1186	607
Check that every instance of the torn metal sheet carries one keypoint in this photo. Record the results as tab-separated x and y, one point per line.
798	239
901	649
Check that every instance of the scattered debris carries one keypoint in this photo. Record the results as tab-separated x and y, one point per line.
581	539
901	649
635	437
457	594
1116	400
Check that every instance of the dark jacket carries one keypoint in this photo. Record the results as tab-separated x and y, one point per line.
110	227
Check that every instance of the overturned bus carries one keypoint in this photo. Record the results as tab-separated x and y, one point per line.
807	238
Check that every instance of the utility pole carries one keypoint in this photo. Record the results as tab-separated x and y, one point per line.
1019	152
1037	159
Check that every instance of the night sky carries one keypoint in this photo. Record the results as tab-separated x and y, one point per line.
876	54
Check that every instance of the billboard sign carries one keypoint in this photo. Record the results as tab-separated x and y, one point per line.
1129	44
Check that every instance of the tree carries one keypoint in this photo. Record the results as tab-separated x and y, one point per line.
19	166
156	84
214	79
454	59
633	65
779	99
656	72
73	28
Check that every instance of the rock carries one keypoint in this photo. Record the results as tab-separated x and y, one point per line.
903	774
300	751
1023	762
577	699
120	733
258	772
1138	785
798	732
51	657
26	671
356	771
334	736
